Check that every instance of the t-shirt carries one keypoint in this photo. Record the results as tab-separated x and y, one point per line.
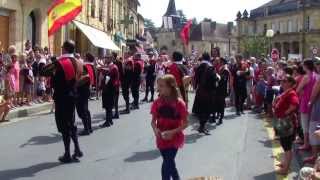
285	101
169	116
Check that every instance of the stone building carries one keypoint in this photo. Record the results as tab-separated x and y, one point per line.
294	22
203	36
23	20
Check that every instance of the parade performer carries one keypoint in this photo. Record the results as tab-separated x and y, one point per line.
126	83
169	119
65	73
205	83
110	91
179	71
150	77
240	72
138	66
83	90
119	65
222	90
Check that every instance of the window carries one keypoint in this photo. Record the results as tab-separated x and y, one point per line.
308	23
93	8
101	2
290	29
273	27
265	29
283	28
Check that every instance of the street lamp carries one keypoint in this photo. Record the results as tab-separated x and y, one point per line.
270	34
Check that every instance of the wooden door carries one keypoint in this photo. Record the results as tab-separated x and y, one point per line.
4	33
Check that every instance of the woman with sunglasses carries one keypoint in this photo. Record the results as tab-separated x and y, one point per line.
285	107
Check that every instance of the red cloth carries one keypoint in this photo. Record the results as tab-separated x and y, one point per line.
185	33
174	70
91	74
114	75
168	121
285	101
68	69
138	64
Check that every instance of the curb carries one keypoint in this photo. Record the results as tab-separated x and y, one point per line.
27	111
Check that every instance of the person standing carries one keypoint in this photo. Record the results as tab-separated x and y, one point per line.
126	83
83	95
138	66
205	84
110	91
169	119
222	90
305	90
240	73
65	73
150	77
179	71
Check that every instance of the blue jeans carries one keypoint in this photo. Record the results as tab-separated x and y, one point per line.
169	169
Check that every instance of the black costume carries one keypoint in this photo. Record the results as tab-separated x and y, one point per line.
126	84
205	82
239	73
82	101
64	75
110	92
138	66
150	71
222	93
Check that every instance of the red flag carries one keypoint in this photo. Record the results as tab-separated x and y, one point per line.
185	33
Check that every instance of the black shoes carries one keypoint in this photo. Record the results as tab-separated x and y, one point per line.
85	133
203	131
134	107
65	159
238	114
104	125
115	116
144	100
126	111
77	154
219	123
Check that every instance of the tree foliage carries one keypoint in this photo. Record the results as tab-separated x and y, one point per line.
183	17
254	46
149	24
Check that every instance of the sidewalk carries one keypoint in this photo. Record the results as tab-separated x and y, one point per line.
25	111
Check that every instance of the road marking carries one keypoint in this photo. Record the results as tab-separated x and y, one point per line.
276	148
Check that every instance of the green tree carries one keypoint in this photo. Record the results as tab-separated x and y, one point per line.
194	21
254	46
149	24
183	17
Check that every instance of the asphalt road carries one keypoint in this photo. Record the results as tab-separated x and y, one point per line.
237	150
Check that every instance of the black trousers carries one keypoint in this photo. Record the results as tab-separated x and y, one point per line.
65	120
82	107
125	94
169	169
116	101
135	92
203	119
150	87
240	98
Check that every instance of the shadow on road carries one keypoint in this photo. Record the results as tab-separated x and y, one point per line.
42	140
143	156
266	176
12	174
192	138
267	143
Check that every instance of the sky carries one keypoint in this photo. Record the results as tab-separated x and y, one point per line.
221	11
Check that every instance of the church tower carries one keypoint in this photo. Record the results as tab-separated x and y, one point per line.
171	19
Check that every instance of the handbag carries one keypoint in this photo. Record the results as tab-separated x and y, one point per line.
283	127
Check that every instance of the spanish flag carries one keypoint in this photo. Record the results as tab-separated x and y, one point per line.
61	12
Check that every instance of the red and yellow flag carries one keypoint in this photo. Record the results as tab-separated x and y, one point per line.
61	12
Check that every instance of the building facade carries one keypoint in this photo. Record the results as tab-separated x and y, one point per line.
296	25
203	36
22	20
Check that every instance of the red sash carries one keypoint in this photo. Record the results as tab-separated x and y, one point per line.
174	70
68	69
91	74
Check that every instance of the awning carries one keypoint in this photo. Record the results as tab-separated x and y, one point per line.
97	37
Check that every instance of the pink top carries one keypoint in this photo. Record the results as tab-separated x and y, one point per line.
169	116
16	72
306	93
